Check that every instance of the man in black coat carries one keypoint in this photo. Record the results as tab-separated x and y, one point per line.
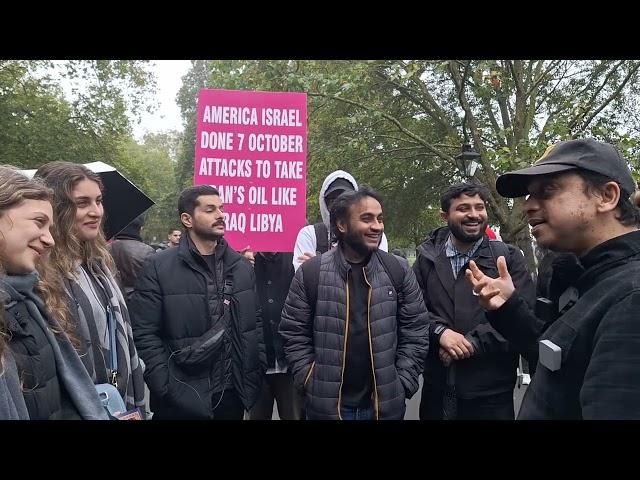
588	352
471	365
274	272
196	322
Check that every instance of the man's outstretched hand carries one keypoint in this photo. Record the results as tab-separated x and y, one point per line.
492	293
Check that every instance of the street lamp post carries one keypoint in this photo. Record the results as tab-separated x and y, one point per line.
466	160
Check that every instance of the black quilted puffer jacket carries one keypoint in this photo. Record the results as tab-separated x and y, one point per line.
315	347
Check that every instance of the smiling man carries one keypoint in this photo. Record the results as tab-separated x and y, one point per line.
589	351
196	320
317	238
467	354
354	324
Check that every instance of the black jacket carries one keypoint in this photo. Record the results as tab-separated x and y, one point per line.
599	337
274	273
44	393
129	254
315	342
492	369
197	331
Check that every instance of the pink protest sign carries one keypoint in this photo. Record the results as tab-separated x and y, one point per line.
252	146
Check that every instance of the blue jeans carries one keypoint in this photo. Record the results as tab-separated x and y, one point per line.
359	413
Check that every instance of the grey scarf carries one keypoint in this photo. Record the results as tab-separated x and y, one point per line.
90	309
71	372
12	406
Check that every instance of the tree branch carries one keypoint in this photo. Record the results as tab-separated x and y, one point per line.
589	104
486	166
391	119
531	107
494	122
539	79
611	97
430	106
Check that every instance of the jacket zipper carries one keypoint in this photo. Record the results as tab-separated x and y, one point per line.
313	364
376	404
344	349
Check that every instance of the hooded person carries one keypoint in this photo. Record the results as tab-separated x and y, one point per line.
129	253
316	238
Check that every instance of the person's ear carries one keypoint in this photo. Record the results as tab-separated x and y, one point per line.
608	197
342	226
186	220
444	216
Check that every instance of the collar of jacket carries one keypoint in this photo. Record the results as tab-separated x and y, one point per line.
435	244
21	288
18	286
269	256
188	252
610	254
126	236
343	266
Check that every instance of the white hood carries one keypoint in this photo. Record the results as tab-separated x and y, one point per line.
324	212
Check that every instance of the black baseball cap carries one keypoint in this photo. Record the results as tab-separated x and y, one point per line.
339	184
583	154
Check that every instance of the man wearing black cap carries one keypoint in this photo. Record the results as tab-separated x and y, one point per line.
589	354
313	239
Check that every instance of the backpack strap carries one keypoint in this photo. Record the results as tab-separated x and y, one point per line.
499	249
322	237
311	278
311	275
393	268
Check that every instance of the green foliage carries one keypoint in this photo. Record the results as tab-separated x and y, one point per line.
397	124
150	168
38	125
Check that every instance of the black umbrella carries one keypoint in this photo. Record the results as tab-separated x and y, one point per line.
123	201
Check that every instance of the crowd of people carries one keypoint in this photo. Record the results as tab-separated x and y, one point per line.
336	329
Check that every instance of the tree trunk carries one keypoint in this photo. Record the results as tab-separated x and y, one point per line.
522	240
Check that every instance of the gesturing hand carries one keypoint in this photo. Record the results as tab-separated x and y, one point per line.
491	292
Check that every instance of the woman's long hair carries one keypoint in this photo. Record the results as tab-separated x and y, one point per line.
4	334
15	188
63	177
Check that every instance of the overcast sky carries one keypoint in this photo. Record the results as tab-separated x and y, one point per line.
169	75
